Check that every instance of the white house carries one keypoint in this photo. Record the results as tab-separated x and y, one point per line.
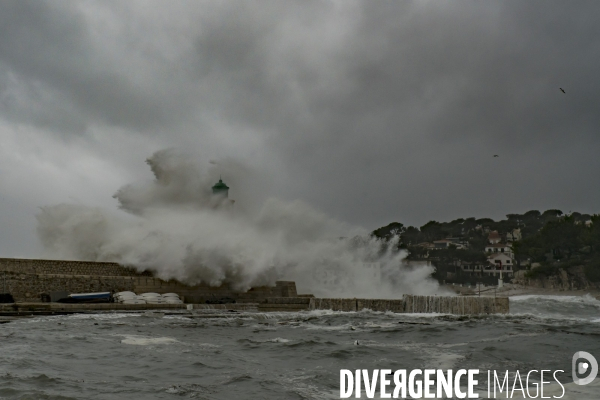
513	235
494	237
442	244
499	248
445	244
471	268
499	262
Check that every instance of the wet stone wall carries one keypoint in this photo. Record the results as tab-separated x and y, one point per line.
30	280
31	287
418	304
62	267
461	305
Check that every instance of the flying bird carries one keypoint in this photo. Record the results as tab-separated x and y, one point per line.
496	155
562	90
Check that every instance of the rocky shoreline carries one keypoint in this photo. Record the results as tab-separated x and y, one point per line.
570	281
515	289
569	278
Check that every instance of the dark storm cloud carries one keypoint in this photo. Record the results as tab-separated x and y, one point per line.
458	71
53	76
373	111
407	84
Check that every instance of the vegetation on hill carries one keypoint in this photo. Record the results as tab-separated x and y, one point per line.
551	238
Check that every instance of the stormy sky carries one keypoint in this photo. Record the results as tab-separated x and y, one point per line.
372	112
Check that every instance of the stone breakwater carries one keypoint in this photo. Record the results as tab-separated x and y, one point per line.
456	305
31	280
63	267
570	278
408	304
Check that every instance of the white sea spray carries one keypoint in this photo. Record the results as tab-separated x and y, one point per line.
174	227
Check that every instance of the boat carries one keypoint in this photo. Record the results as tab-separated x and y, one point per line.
97	297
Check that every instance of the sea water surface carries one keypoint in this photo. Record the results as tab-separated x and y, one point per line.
237	355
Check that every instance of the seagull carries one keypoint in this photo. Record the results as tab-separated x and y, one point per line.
562	90
356	343
496	155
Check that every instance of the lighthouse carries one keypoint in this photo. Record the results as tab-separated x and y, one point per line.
220	189
220	196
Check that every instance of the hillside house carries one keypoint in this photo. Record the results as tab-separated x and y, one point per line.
445	243
471	268
513	235
499	248
494	237
500	262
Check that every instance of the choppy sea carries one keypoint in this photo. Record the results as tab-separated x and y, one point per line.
237	355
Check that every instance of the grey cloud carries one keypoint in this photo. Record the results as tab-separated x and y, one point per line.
414	80
370	111
48	56
452	70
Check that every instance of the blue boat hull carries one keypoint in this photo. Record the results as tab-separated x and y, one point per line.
101	297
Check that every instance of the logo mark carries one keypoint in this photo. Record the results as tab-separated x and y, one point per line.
582	367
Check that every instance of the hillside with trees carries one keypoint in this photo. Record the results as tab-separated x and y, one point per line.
539	242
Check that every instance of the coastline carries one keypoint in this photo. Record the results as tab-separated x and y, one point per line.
512	290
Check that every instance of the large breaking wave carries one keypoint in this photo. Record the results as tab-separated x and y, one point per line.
173	226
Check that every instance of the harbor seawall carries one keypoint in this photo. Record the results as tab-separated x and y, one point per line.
409	304
28	280
459	305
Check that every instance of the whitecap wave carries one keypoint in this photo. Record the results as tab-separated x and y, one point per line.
587	298
146	341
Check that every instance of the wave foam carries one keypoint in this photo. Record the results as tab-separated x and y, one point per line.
146	341
587	298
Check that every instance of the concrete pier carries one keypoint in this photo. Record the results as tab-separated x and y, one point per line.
333	304
396	306
418	304
408	304
460	305
30	281
284	304
74	308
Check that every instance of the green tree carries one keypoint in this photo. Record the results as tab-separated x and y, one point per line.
389	231
563	237
411	236
432	231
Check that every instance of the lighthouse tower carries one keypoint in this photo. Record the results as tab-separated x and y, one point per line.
220	189
220	196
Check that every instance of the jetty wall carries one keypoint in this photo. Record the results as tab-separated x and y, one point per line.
30	280
63	267
284	304
33	287
460	305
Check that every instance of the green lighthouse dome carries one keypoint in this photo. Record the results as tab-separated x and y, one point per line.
220	188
